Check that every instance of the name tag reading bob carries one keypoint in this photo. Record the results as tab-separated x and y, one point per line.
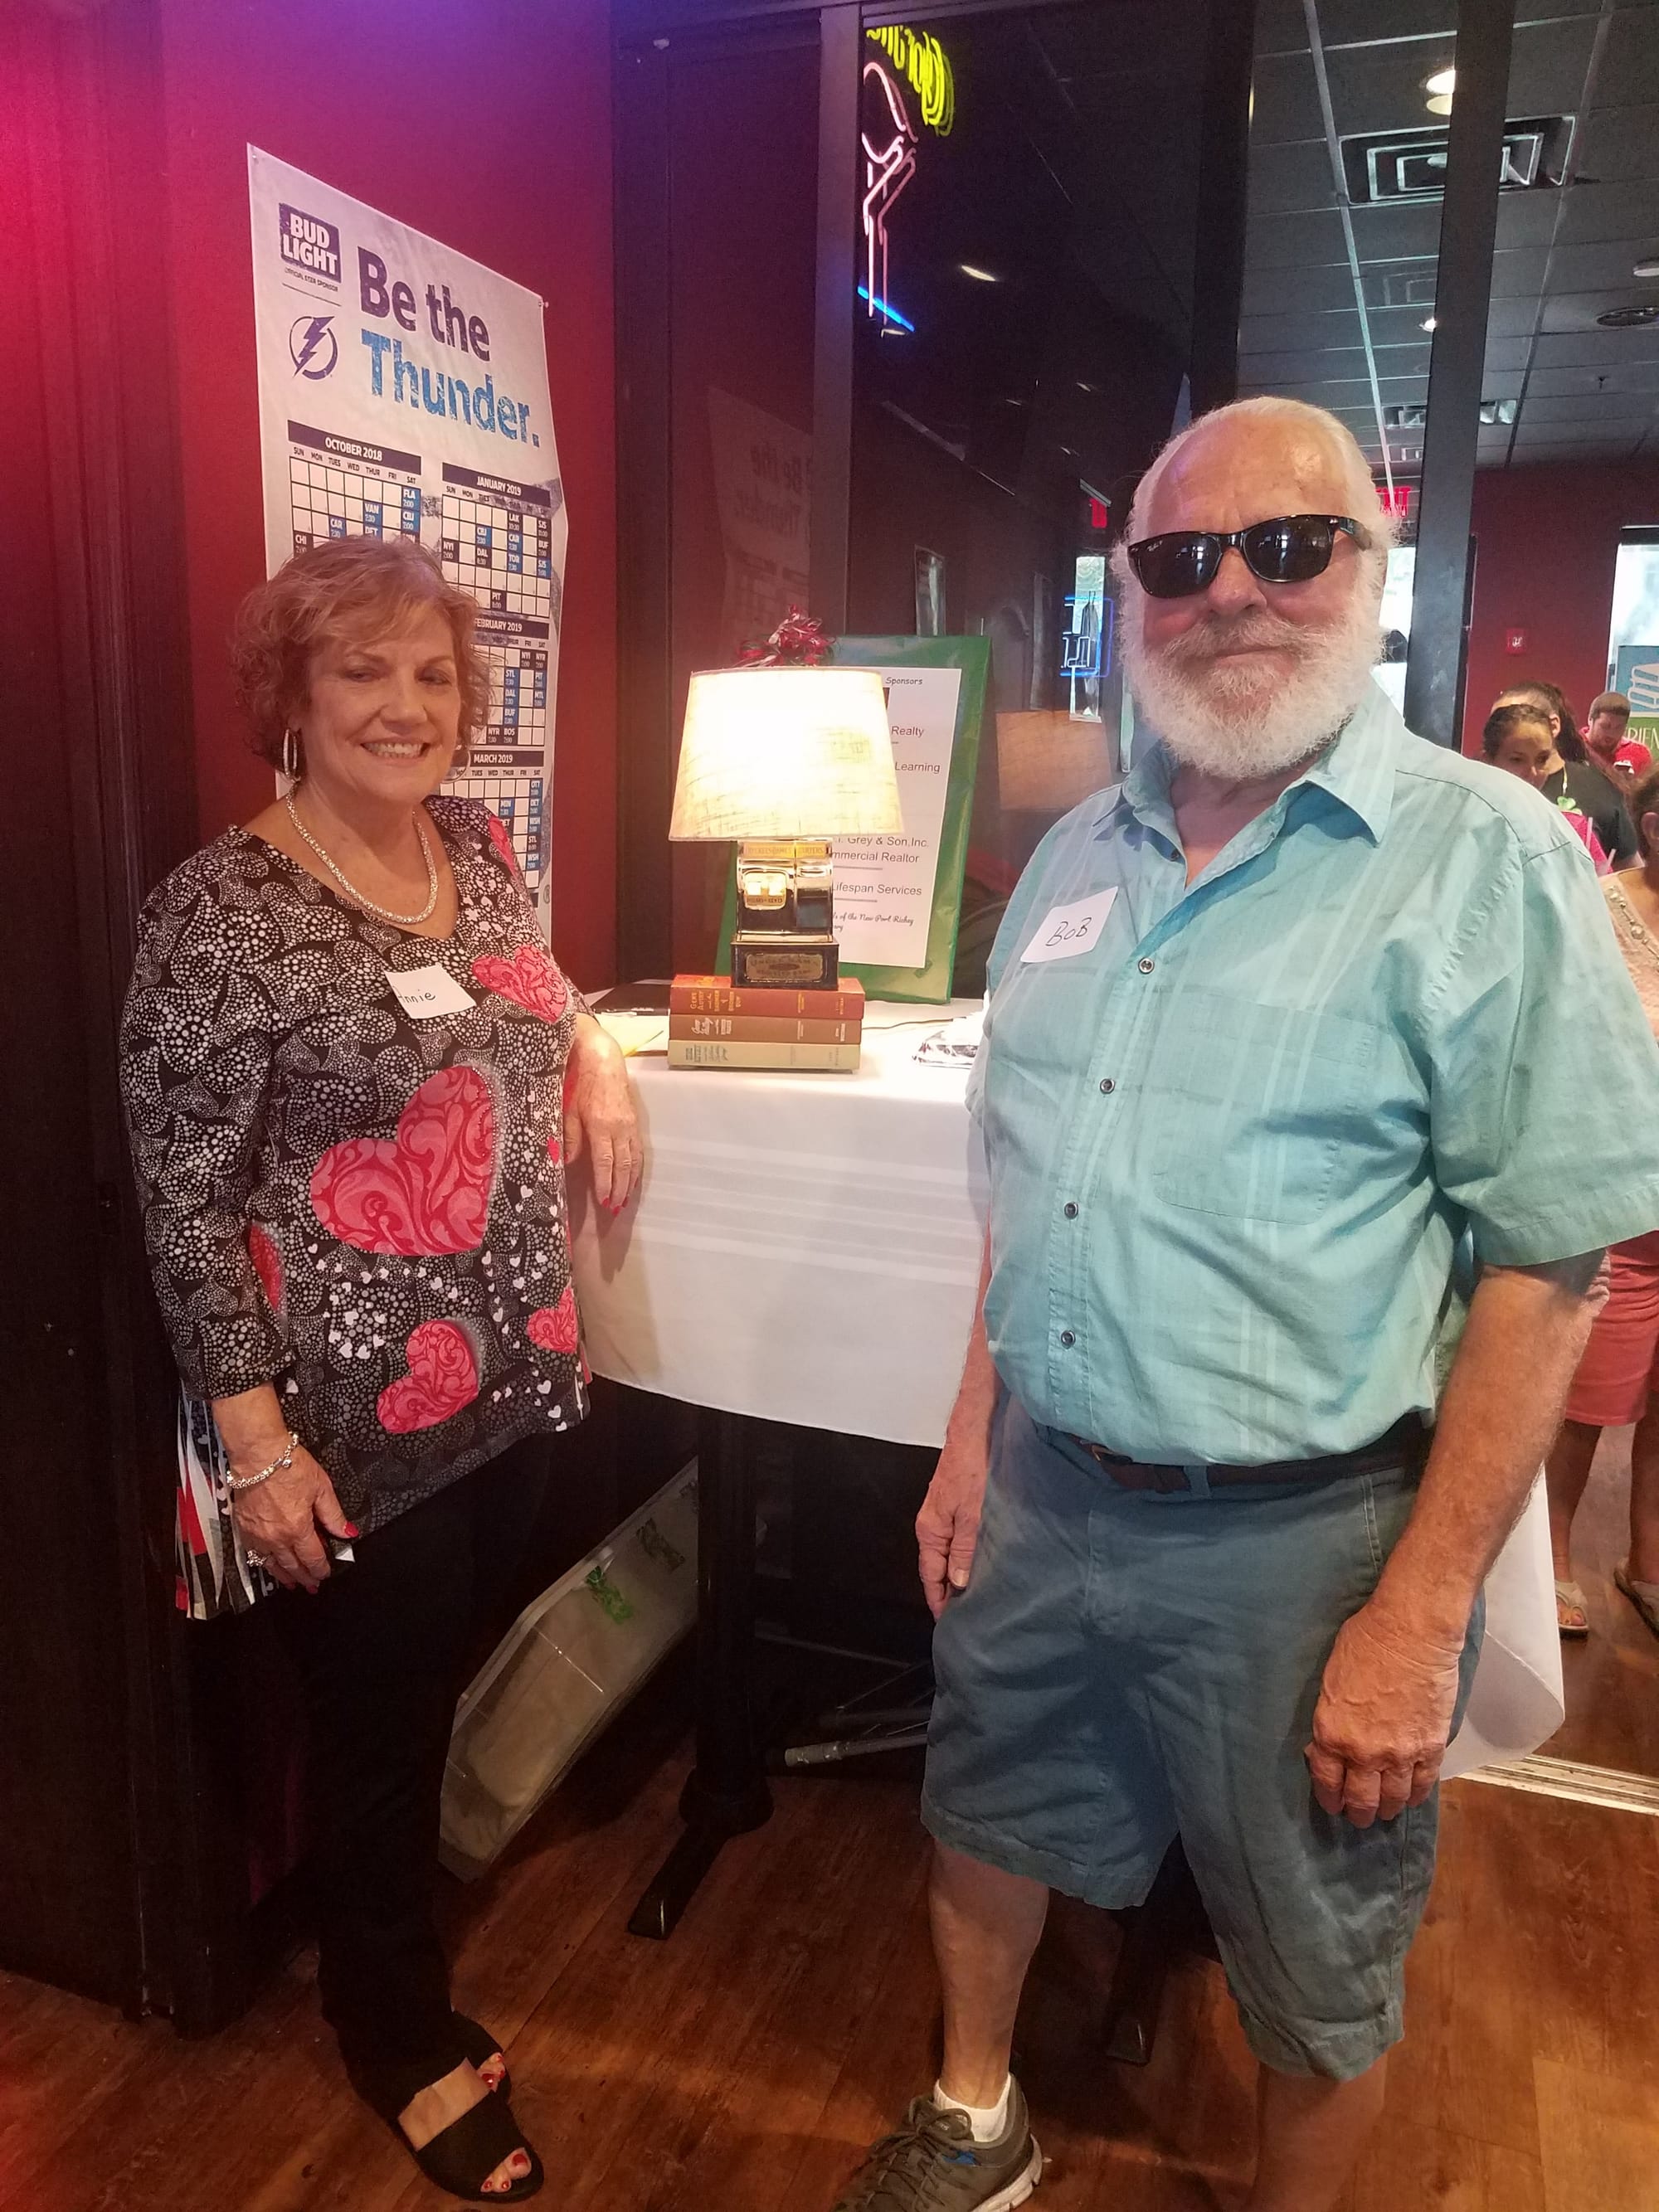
424	992
1066	931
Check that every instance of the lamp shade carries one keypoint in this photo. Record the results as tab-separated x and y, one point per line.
785	752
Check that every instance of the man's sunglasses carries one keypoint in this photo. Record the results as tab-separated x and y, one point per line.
1289	549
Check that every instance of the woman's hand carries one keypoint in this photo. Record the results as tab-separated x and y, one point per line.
600	1120
278	1521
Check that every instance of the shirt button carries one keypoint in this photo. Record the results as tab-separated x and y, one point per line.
1071	1210
1068	1338
1108	1085
1147	966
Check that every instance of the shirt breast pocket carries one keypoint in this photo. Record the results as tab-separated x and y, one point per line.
1254	1104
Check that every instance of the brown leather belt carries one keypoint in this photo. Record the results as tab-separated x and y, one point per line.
1406	1444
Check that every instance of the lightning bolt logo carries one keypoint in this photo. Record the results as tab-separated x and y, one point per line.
312	341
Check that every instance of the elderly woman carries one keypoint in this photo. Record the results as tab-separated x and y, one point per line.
355	1078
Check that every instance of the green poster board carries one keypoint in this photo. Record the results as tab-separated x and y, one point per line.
972	655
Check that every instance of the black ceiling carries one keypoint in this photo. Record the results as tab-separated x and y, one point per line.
1564	256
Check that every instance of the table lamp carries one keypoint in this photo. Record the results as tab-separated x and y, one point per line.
784	759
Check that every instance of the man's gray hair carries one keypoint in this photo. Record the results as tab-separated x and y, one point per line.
1365	503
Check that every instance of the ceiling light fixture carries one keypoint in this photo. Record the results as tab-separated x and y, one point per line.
979	276
1648	266
1628	319
1440	87
1430	323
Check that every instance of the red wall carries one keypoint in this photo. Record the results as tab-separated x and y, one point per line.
487	125
1545	541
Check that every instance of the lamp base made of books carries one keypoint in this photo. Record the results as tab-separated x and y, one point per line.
714	1022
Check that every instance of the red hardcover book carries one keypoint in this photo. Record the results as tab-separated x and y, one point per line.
714	994
762	1028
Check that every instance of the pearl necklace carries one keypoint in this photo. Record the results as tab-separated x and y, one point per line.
352	889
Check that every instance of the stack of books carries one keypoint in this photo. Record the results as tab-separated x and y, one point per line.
710	1024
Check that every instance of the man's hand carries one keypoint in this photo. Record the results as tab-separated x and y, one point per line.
947	1526
1383	1719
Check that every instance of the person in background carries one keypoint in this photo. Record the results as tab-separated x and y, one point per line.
354	1078
1618	1379
1519	740
1609	744
1571	775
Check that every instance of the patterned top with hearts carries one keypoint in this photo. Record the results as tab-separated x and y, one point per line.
361	1205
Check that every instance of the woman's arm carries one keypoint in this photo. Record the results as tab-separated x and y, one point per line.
195	1069
278	1519
599	1118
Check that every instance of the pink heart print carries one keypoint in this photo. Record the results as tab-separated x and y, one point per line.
501	839
442	1377
555	1329
427	1190
267	1264
531	979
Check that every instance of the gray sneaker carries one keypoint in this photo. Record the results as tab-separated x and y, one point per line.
933	2164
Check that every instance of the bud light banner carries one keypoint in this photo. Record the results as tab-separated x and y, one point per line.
402	392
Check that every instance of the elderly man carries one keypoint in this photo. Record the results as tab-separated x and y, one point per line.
1296	1225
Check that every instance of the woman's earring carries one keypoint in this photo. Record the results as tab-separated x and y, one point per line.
291	755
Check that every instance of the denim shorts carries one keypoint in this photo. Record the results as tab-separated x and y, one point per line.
1125	1665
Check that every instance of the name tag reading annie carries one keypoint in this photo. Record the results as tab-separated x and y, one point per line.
1066	931
427	990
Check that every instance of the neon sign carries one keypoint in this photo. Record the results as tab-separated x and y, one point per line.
922	63
890	162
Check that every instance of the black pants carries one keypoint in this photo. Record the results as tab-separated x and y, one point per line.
381	1652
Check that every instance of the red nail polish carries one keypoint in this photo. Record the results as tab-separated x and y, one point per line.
350	1529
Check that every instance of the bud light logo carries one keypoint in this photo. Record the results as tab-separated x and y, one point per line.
308	242
313	347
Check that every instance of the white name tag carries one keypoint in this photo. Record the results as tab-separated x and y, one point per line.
427	990
1066	931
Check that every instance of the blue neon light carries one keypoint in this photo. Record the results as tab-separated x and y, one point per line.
882	308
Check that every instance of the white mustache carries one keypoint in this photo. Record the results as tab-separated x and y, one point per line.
1255	632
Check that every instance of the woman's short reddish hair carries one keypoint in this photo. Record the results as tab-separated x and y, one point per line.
359	588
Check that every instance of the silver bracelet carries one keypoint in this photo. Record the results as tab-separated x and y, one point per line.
235	1483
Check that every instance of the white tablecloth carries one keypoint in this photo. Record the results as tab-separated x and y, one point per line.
806	1249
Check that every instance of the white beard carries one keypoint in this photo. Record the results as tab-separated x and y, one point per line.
1238	721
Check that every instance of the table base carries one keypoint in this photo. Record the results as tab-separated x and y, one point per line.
725	1794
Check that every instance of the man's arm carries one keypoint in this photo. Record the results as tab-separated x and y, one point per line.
947	1526
1385	1709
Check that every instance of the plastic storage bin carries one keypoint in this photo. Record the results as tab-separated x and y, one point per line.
570	1662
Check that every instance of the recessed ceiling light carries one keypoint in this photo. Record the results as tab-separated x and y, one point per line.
1628	319
979	276
1440	87
1430	323
1090	387
1648	267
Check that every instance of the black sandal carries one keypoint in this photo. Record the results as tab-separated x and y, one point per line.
461	2157
480	2047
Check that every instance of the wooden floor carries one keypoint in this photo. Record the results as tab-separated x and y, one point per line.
740	2067
1612	1676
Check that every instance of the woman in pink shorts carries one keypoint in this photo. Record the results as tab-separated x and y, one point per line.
1618	1380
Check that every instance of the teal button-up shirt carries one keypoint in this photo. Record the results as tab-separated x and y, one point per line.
1236	1142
